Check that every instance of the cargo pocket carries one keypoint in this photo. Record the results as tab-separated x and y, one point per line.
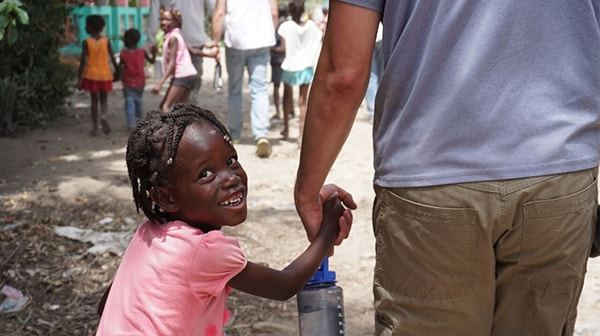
424	251
556	241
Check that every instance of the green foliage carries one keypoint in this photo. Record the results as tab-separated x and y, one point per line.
11	14
34	83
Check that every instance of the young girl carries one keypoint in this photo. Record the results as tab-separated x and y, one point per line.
95	74
177	62
301	41
132	60
177	271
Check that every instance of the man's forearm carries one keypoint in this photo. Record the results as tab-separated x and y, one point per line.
329	119
337	90
218	18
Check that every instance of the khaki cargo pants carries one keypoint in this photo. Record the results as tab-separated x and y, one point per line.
486	258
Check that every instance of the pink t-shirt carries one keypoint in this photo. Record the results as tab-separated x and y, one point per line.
172	280
183	60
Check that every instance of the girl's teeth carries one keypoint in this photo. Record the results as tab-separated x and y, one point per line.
232	202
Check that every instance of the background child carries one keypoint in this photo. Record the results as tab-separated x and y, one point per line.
301	41
177	271
277	55
132	61
177	62
95	73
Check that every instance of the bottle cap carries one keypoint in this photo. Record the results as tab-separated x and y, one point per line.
323	275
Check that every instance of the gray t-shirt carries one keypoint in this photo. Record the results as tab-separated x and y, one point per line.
486	90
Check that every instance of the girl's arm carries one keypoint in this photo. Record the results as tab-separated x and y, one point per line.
281	48
112	56
266	282
170	68
82	63
205	51
150	57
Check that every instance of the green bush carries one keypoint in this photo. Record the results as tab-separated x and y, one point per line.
11	15
34	84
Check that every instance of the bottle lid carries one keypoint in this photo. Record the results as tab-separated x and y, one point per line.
323	275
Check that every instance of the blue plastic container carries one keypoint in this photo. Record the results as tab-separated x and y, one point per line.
321	305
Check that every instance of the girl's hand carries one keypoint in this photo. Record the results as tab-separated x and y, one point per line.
155	89
333	211
218	55
211	51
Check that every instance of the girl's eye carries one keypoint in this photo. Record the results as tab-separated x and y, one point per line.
206	174
232	161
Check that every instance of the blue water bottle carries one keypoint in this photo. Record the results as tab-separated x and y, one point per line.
321	305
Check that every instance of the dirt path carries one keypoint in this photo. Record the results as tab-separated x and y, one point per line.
63	177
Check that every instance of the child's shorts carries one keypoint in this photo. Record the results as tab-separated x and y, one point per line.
187	82
297	77
276	72
94	86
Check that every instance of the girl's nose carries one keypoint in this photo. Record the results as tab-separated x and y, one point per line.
231	181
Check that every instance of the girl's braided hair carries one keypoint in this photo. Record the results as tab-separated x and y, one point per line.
152	148
175	13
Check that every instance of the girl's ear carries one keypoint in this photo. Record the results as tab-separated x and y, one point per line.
162	196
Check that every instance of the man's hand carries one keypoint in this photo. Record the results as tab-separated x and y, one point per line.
310	210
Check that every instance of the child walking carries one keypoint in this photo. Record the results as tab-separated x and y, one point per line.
177	61
301	41
132	61
95	73
179	267
277	55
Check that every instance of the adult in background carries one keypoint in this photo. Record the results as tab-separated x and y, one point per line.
193	14
249	28
486	139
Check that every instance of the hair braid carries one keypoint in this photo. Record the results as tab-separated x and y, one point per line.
152	148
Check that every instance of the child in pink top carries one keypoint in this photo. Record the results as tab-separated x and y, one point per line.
177	61
179	267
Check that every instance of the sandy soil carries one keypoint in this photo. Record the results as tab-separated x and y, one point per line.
61	176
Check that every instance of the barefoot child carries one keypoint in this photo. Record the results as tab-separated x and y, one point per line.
179	267
132	60
301	41
95	74
277	55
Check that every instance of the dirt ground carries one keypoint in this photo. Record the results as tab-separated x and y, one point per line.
62	177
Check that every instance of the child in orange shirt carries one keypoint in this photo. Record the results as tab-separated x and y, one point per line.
95	74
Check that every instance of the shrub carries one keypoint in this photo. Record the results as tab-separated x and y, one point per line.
34	84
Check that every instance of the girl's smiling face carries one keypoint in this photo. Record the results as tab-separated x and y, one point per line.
209	184
167	21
